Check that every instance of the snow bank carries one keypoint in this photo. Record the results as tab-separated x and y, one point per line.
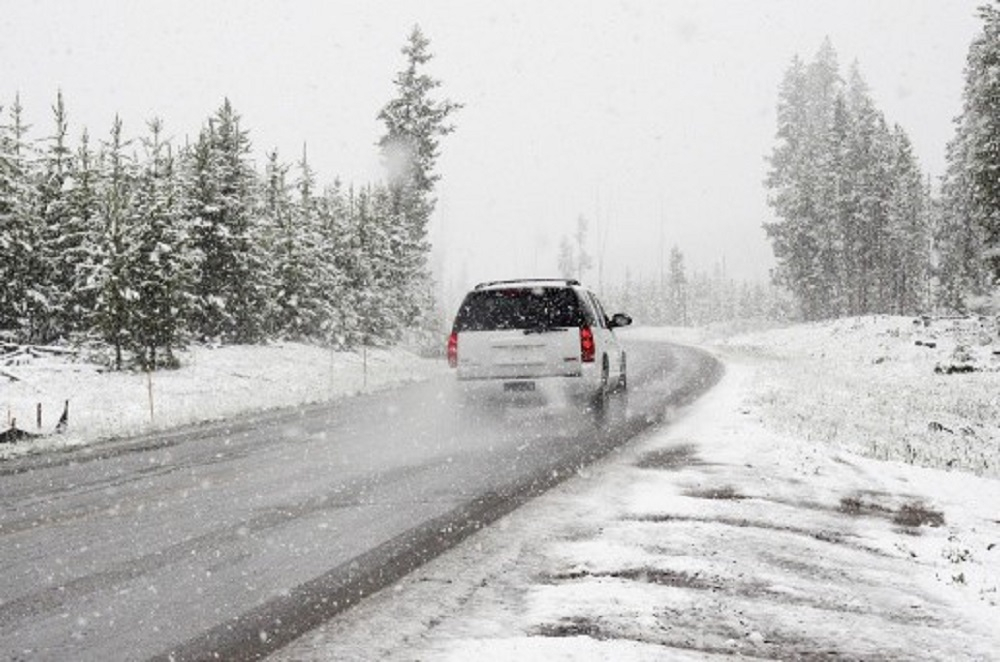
212	383
923	391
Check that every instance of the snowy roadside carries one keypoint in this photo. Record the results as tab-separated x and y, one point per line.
745	527
213	383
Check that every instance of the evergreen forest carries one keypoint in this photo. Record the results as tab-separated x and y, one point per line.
141	245
860	228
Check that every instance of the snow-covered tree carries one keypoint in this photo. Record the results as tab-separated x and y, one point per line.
114	247
59	238
414	124
852	232
369	266
220	202
22	303
791	181
161	267
909	231
677	292
83	237
566	260
573	260
303	266
969	240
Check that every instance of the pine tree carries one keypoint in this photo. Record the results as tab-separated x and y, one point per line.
970	237
792	235
677	295
566	259
334	218
10	239
59	243
303	266
279	241
369	267
852	230
869	162
111	270
161	268
827	278
414	123
323	287
220	200
584	261
909	231
83	232
22	303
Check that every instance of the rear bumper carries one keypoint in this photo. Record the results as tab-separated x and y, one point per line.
531	389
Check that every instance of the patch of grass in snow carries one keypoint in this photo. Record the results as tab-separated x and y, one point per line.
645	575
916	514
726	492
577	626
881	387
673	458
911	515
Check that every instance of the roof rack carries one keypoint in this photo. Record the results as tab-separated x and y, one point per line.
566	281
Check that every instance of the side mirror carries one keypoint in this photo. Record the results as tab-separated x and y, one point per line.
619	320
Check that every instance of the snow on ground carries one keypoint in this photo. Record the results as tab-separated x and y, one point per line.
836	495
212	383
764	522
924	392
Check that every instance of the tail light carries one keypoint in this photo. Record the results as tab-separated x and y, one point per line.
587	347
453	349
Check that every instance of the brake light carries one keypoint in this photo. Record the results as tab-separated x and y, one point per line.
453	349
587	347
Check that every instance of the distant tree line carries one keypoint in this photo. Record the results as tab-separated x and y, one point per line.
146	245
858	227
676	297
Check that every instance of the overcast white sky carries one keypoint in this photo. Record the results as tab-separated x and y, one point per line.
652	116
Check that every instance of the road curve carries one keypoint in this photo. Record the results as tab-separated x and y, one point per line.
230	540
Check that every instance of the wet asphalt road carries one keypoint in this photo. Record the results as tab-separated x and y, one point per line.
232	539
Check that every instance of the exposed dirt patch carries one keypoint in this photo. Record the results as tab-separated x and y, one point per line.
673	458
916	514
911	515
855	505
659	576
577	626
726	492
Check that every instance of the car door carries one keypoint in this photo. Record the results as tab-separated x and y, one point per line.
608	341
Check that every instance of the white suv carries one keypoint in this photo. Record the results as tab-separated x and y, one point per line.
549	336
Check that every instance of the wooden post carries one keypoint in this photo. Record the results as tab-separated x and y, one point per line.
64	419
38	415
149	388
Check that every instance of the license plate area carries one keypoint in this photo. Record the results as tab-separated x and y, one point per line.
519	387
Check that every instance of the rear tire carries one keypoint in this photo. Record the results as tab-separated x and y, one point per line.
599	403
623	376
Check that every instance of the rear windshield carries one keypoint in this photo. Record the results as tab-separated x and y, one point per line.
519	308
